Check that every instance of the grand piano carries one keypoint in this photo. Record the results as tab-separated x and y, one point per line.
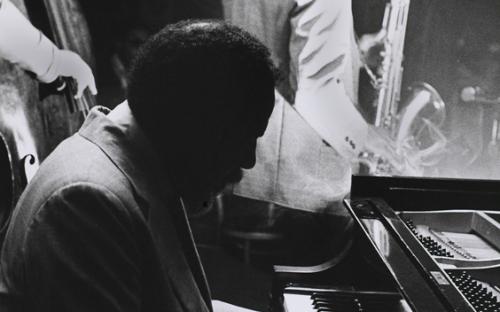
418	244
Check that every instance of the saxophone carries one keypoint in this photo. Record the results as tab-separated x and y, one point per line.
415	125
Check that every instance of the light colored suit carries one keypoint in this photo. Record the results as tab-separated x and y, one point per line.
313	44
99	229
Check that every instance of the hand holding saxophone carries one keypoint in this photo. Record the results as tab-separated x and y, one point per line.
371	48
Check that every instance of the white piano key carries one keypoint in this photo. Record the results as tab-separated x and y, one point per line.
298	303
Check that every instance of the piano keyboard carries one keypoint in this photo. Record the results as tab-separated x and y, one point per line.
333	301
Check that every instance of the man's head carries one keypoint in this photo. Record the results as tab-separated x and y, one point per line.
203	92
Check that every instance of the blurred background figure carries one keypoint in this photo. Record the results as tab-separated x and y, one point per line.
119	27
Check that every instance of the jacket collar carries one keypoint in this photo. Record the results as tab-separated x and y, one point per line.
117	134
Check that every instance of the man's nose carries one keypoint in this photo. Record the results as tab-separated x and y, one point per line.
249	157
249	160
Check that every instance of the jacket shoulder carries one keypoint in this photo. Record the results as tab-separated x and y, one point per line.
77	160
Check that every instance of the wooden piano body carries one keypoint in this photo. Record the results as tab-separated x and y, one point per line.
419	245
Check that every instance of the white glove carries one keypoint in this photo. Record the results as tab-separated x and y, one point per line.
69	64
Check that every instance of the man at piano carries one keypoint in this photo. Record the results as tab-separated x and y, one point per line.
23	44
102	225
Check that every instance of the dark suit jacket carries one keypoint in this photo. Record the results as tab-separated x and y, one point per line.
99	229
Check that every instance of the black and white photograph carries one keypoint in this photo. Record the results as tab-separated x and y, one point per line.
250	155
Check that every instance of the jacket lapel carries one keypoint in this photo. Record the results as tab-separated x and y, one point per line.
192	254
129	150
173	253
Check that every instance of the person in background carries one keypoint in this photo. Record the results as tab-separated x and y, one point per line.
23	44
102	225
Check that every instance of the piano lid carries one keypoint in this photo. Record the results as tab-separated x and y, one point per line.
417	194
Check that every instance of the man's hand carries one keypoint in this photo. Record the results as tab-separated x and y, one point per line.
371	47
69	64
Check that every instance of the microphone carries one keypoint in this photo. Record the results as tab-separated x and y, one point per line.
476	94
468	94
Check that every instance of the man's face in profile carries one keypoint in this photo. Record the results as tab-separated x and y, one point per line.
235	150
220	161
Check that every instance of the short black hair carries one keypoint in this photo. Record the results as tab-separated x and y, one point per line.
196	71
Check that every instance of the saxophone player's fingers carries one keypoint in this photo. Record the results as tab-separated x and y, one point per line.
371	47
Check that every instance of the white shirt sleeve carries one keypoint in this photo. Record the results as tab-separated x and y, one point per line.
23	44
326	70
